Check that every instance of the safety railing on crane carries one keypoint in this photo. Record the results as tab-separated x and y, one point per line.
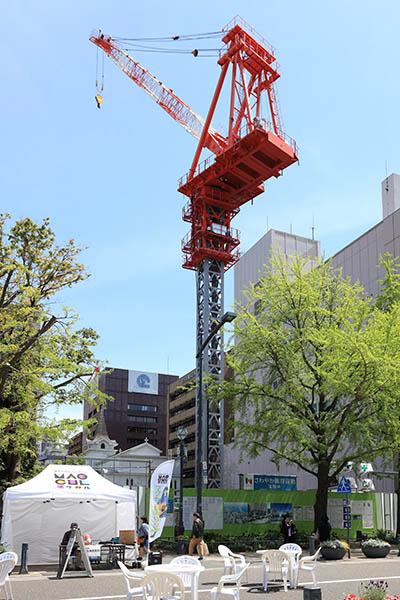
244	25
243	131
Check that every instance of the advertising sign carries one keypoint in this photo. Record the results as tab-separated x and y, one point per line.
159	492
143	383
270	482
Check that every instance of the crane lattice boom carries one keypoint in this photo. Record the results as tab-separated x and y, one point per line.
178	110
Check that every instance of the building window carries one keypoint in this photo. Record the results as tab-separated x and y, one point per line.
142	419
144	430
145	407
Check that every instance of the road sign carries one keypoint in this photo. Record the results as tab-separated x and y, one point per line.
346	509
344	486
347	525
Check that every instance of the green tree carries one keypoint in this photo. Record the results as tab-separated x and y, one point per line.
387	300
316	372
44	359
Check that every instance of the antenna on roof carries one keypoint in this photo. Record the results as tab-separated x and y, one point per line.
312	229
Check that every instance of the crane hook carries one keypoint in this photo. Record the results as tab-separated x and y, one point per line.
99	100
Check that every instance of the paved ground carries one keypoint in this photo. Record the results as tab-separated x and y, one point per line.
336	579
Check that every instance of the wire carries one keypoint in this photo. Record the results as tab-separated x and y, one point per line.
190	36
140	48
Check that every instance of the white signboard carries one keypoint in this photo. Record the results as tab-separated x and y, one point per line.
335	512
212	512
144	383
365	509
308	513
297	513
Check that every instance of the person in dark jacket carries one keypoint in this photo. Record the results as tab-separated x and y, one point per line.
324	529
75	549
197	536
288	530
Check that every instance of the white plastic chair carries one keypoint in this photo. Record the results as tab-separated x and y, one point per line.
234	581
308	563
132	577
275	562
163	586
185	559
294	551
8	560
233	563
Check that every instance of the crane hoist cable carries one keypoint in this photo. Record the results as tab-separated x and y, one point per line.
173	38
99	87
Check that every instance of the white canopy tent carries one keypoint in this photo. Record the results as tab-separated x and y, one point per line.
39	511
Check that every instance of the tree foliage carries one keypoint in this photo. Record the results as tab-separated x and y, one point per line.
316	371
44	359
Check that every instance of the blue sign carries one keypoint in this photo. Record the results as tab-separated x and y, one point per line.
275	482
143	381
344	486
347	525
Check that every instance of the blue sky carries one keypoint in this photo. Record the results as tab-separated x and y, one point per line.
108	178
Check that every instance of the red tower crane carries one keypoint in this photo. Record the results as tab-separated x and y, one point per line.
254	150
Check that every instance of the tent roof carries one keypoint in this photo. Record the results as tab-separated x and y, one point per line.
79	482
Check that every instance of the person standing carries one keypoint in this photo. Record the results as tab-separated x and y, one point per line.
143	534
285	528
197	536
292	531
324	529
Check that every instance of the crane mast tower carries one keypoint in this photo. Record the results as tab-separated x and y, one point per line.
254	150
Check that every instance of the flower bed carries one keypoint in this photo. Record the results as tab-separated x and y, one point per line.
374	590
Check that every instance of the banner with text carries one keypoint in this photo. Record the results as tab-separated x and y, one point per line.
159	491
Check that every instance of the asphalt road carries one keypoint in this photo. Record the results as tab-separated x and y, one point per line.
335	578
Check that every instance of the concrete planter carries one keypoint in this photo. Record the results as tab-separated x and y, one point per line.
332	553
378	552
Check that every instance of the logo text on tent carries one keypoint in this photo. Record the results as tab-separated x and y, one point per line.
71	481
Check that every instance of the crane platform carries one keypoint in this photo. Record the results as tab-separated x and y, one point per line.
243	167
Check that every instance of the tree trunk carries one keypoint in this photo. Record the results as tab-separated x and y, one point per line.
13	467
321	497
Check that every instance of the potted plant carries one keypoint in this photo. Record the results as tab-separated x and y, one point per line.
333	549
374	548
3	549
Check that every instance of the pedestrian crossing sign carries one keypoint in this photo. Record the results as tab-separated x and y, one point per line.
344	486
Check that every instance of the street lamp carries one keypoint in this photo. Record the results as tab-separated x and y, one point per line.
227	317
181	434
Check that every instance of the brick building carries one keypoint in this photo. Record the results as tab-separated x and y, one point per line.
139	408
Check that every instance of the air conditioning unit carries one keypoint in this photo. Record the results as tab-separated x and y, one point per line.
367	485
352	482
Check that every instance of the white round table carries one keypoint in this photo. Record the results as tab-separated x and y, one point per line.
189	574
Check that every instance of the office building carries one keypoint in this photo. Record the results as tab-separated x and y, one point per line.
138	411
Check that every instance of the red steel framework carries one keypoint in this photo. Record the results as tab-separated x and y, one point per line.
255	148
